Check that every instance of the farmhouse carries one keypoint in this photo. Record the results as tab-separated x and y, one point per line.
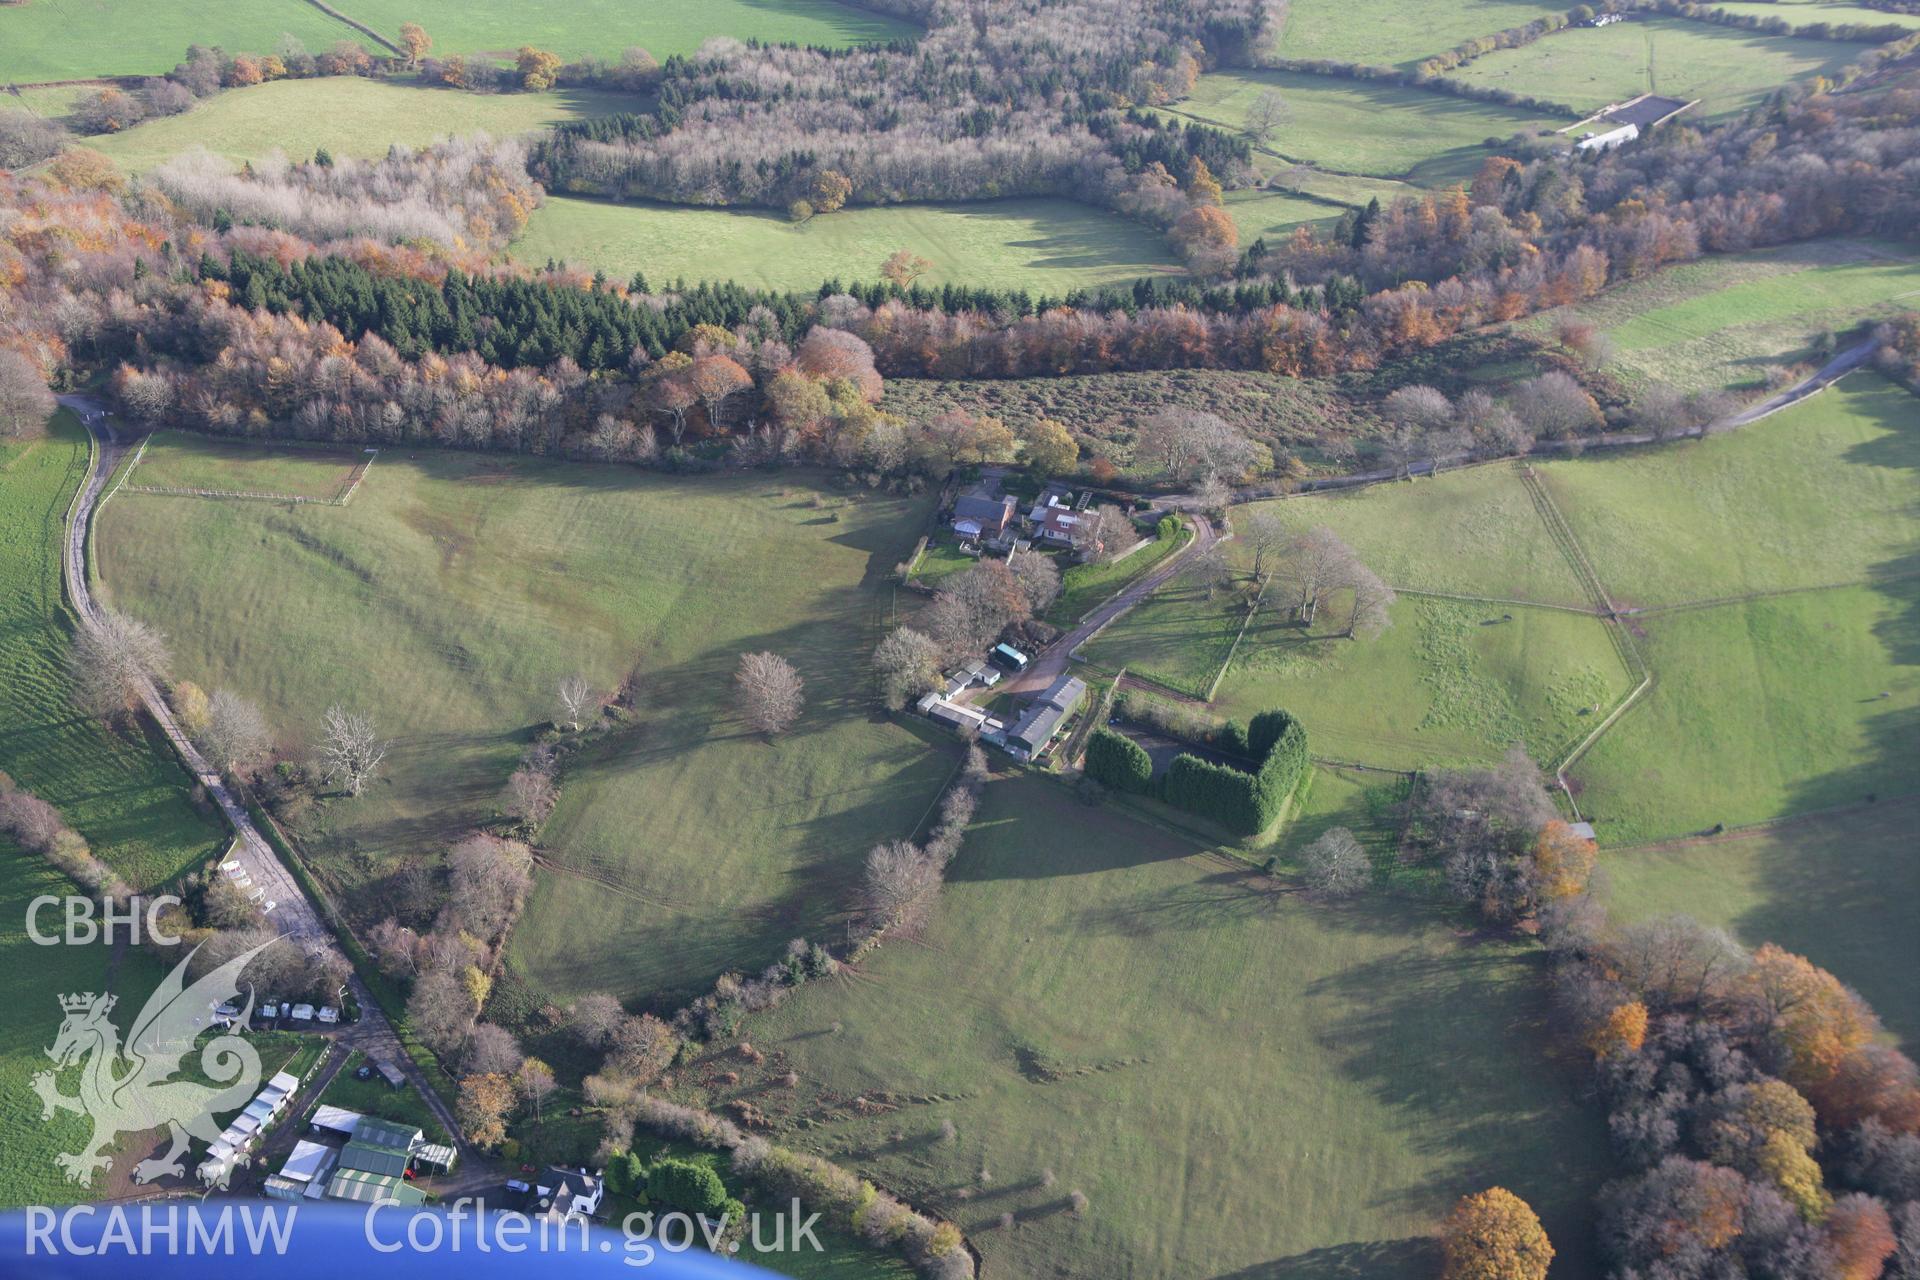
982	514
1045	717
562	1194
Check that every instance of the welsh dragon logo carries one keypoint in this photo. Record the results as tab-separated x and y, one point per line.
132	1089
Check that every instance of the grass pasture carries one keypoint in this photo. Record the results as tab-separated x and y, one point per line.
1103	1000
603	28
1760	710
121	791
1802	15
1046	246
346	115
451	596
1820	493
1718	321
1274	213
1396	33
1447	683
1837	889
180	460
1362	127
1729	70
74	39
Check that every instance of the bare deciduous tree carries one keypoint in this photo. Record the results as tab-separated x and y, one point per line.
1421	407
1314	565
907	664
1554	404
769	692
1268	112
1039	579
1265	535
1336	864
594	1018
1371	600
901	885
535	1082
1191	443
236	733
491	1050
1210	568
114	660
440	1011
1104	534
350	749
576	695
25	402
643	1047
488	879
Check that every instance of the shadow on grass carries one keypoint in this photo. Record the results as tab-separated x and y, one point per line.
1360	1260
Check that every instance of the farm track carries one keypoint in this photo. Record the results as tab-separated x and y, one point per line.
298	916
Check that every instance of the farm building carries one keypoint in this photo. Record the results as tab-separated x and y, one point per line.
335	1120
231	1147
1044	717
306	1173
380	1147
1007	657
387	1071
957	716
1610	139
367	1188
1604	19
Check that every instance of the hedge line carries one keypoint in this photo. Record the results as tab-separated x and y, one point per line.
1245	802
1117	761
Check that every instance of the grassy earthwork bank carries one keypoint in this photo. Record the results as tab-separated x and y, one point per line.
1727	69
1045	246
180	460
1362	127
456	590
120	791
1718	322
1102	1008
344	115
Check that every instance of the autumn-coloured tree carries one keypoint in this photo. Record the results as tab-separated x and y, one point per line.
1202	186
1623	1031
829	190
482	1108
1204	228
415	40
716	380
1562	862
538	69
1816	1022
1494	1235
25	402
1860	1234
903	267
1048	447
1795	1174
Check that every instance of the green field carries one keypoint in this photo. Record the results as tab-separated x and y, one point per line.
602	28
1727	69
1718	322
1839	890
1447	683
347	116
1045	246
1820	493
122	792
1471	532
1760	710
73	39
1241	1082
1357	126
454	592
1806	14
180	460
1274	213
1395	32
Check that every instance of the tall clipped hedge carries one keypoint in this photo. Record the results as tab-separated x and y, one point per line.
1117	761
1245	802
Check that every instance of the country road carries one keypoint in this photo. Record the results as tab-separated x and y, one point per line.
1051	664
293	914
